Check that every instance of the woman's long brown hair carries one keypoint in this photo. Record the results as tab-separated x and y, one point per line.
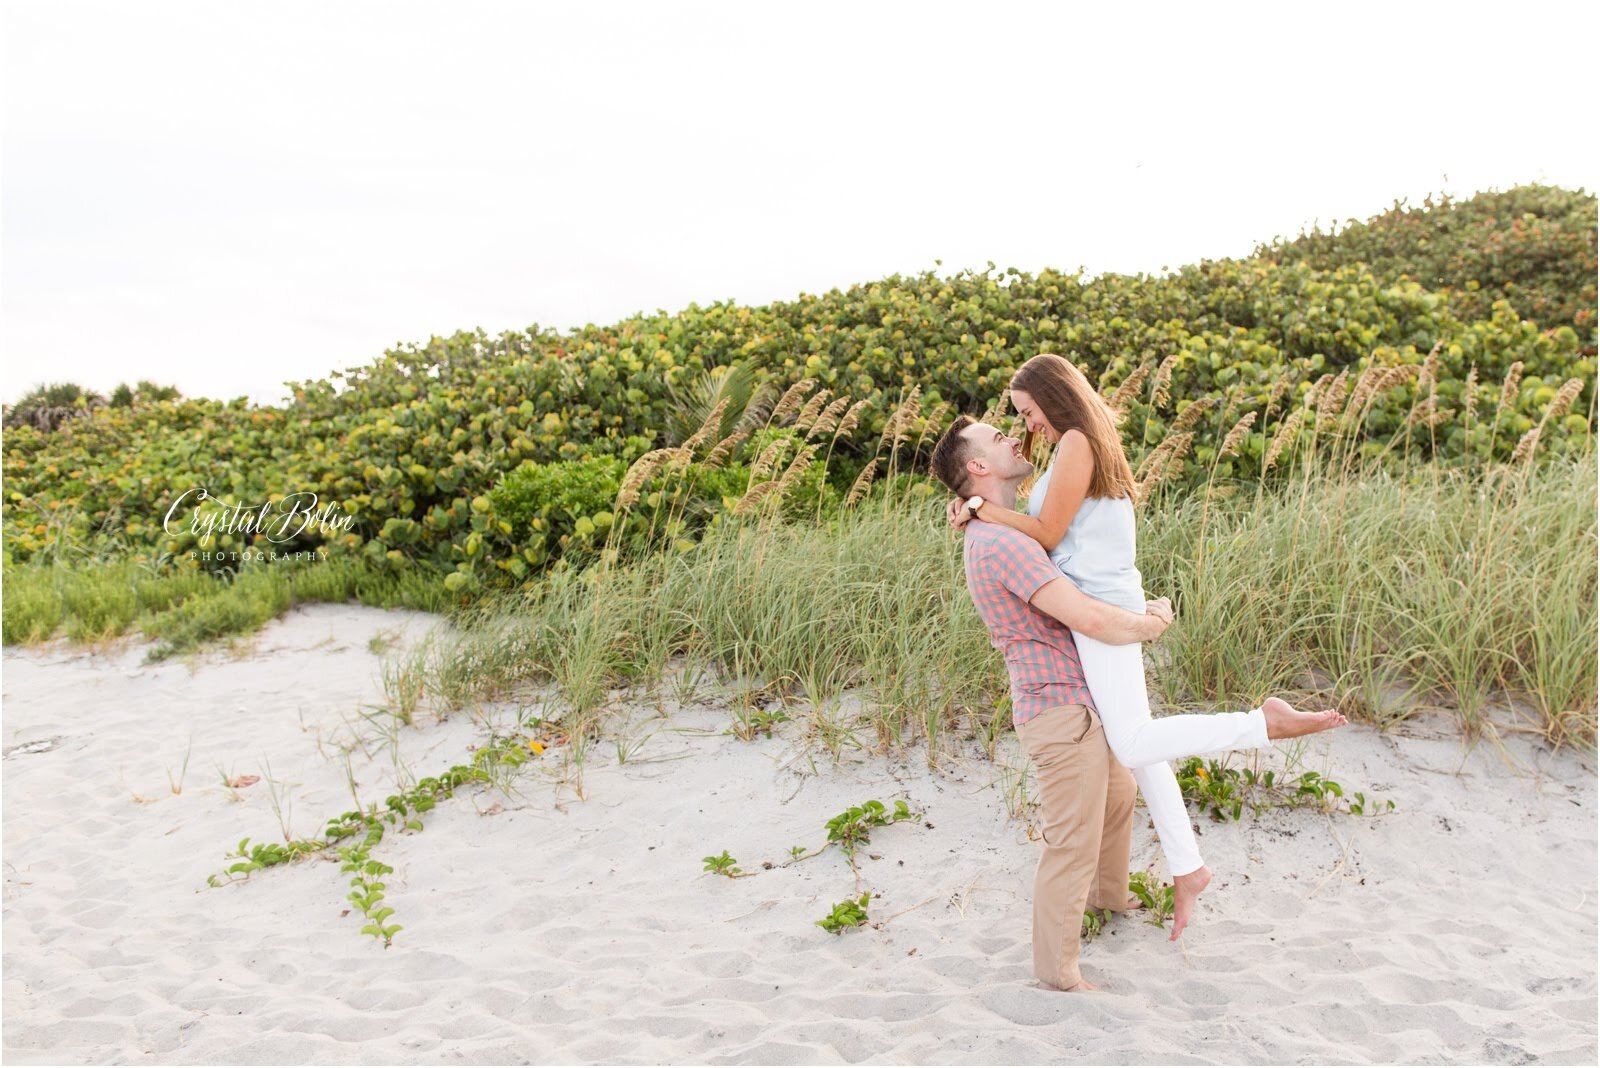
1068	402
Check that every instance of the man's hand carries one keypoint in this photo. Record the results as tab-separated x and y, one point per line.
956	512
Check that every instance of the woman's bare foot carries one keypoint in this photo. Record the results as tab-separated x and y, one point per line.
1285	721
1185	891
1083	987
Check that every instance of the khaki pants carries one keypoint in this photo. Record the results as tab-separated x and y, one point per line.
1086	819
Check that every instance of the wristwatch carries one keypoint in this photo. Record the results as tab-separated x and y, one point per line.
973	504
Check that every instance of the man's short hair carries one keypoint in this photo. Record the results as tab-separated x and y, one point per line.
950	455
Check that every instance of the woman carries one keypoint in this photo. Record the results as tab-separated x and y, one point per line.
1081	511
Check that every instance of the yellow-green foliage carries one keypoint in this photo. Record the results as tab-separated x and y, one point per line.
410	446
1533	246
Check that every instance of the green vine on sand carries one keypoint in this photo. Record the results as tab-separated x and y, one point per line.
402	811
1225	791
849	830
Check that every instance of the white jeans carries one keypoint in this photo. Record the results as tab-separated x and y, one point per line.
1143	744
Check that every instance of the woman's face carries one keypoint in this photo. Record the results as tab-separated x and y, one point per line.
1032	417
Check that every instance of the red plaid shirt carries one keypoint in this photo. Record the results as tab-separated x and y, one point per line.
1005	568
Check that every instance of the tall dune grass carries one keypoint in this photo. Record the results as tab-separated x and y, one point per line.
1344	582
94	599
1394	594
1383	596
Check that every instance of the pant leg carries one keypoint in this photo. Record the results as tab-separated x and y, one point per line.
1115	674
1164	800
1068	750
1110	889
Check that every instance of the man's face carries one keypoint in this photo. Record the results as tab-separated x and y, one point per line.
998	454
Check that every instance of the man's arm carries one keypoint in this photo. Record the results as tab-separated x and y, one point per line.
1101	621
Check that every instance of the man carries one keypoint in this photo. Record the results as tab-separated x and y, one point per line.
1086	797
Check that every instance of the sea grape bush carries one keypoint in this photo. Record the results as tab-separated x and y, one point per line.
484	458
1533	245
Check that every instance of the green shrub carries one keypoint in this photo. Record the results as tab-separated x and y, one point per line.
405	446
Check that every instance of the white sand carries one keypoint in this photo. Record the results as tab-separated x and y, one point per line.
540	928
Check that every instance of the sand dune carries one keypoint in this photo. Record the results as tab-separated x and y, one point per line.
542	928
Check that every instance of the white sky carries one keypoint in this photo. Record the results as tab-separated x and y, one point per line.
226	196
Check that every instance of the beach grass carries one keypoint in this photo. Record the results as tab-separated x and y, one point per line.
1388	595
1383	596
94	599
1345	579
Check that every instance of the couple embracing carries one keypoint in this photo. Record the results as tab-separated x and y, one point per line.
1057	588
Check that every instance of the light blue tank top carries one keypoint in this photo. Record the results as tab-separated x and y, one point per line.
1097	552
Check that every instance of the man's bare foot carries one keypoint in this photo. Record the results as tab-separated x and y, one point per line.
1083	987
1285	721
1185	891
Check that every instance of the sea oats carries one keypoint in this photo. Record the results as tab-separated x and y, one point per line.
1157	457
1332	398
641	471
1230	444
851	420
1129	387
768	460
797	467
900	422
913	403
862	483
829	419
724	448
1162	392
1430	365
1316	390
1394	376
812	409
792	398
1469	396
1279	388
1366	385
678	459
1191	415
1147	461
890	428
998	408
1425	411
1525	447
757	493
933	421
1563	399
1165	462
1509	388
712	422
1281	439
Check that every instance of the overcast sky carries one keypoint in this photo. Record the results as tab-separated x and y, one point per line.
225	196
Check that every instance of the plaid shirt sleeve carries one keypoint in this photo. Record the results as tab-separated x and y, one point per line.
1022	565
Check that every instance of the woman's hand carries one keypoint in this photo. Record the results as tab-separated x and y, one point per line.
957	514
1157	617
